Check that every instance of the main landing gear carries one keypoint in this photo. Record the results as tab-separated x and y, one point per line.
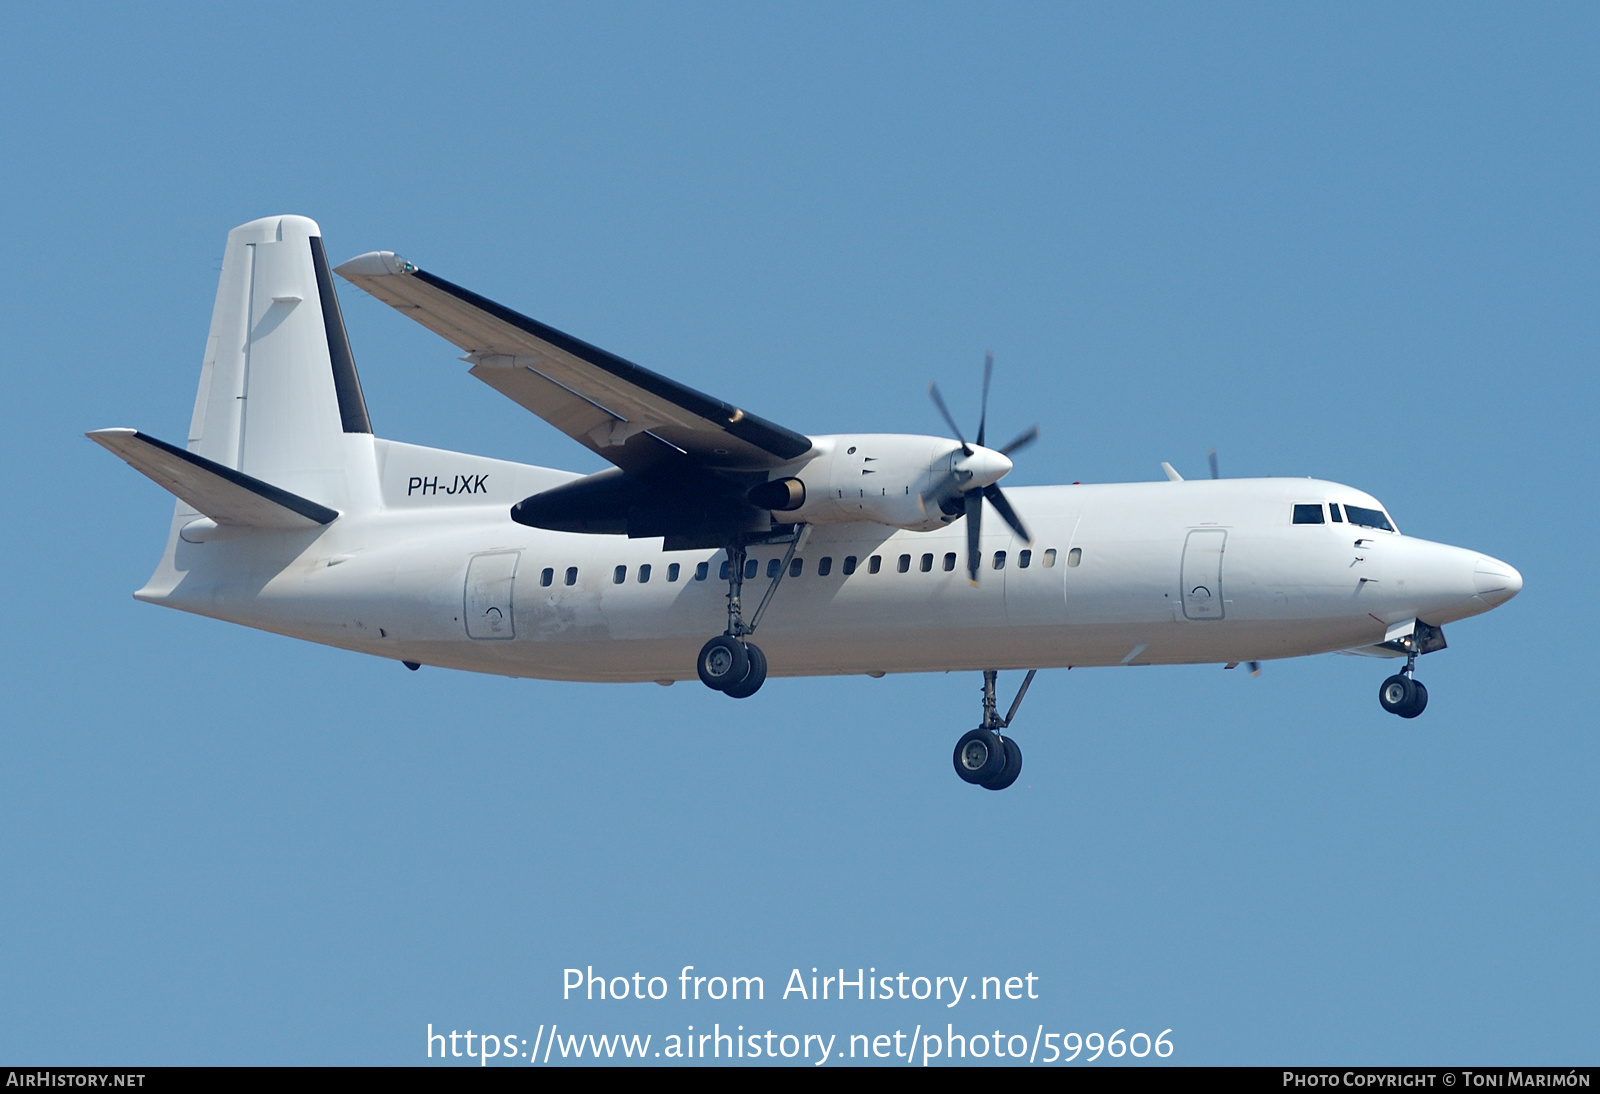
730	663
982	755
1402	694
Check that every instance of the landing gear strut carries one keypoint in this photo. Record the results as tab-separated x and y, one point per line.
1401	693
982	755
729	663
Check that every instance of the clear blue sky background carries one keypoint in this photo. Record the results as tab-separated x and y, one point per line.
1355	242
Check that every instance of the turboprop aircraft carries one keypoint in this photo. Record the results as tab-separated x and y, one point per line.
869	550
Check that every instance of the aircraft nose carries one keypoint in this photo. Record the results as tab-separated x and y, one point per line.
1495	581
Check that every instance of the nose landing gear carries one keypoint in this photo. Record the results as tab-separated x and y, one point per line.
982	755
1401	693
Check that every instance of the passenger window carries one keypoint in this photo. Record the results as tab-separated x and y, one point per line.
905	564
824	565
796	567
949	561
1050	558
644	573
849	565
572	575
673	570
750	568
1074	556
619	575
724	574
773	566
546	576
1368	518
1308	514
999	560
1333	511
874	564
1023	559
927	563
703	570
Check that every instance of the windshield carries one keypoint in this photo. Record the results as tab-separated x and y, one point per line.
1367	518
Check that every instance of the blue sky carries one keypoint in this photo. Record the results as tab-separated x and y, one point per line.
1357	243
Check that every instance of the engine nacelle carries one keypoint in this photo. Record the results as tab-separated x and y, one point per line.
886	478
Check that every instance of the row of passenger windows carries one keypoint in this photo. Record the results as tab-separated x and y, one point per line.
797	566
1355	514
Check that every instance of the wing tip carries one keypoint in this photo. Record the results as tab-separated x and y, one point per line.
374	264
113	438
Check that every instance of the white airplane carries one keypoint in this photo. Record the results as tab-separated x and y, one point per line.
870	551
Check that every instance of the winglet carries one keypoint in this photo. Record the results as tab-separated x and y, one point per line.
1171	472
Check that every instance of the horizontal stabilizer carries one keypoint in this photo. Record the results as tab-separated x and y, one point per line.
221	493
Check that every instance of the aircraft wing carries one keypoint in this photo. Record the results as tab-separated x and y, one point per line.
635	418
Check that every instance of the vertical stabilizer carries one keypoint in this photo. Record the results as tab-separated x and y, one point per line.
279	398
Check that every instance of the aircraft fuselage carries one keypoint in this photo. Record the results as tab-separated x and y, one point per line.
1209	571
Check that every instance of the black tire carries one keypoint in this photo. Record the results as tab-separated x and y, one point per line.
1419	702
754	676
1013	768
722	663
1396	694
979	756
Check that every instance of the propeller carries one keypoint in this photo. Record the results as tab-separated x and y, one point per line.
975	477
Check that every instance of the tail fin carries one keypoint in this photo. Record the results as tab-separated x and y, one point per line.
279	398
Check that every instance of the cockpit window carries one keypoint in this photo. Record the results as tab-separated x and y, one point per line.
1308	514
1368	518
1333	511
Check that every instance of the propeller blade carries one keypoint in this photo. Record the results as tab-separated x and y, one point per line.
1007	514
983	407
947	487
1023	440
933	390
1212	456
974	502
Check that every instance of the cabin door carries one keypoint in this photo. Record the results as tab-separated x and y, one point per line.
1202	573
488	595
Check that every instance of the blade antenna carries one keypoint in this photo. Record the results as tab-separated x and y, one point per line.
1212	456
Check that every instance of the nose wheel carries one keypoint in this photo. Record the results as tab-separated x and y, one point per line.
983	756
1402	693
